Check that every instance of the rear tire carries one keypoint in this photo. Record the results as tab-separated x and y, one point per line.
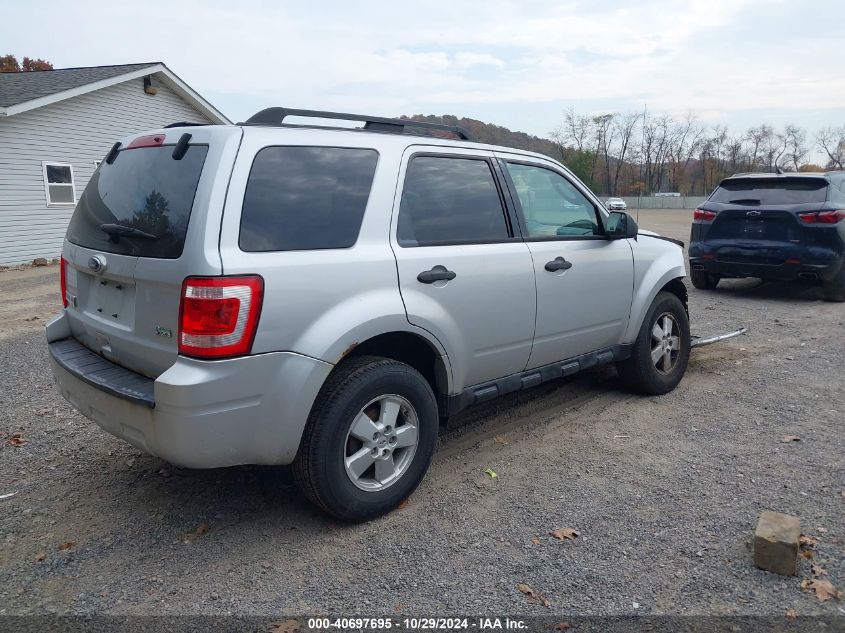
369	439
704	280
661	352
834	290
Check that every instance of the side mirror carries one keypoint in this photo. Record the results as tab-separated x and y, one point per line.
620	226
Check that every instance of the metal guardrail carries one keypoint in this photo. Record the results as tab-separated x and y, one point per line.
664	202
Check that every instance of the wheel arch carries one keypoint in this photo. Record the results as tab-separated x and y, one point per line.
678	288
412	349
670	280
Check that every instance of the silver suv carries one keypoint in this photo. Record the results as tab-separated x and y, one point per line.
267	293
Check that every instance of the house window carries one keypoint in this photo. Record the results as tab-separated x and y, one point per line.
58	183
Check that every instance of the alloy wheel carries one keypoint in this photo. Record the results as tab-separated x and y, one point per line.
665	343
381	442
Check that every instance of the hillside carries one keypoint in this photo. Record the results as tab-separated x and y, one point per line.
493	134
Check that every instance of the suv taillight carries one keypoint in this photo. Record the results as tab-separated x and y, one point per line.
218	316
702	215
63	279
822	217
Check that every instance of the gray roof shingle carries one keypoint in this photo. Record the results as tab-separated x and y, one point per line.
21	87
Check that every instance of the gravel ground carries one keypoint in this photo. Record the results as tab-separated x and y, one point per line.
664	491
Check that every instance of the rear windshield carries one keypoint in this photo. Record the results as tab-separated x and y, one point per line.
770	191
140	204
303	198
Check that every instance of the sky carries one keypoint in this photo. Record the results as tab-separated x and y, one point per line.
515	63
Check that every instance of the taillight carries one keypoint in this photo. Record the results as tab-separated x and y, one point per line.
218	316
703	215
822	217
63	279
153	140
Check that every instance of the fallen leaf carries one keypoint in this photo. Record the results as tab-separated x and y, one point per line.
791	613
202	528
562	626
823	588
818	570
42	411
786	439
403	504
533	596
808	553
40	556
565	534
500	440
15	439
66	546
807	541
536	540
35	318
492	473
288	626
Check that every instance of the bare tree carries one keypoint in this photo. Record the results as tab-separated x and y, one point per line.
795	146
625	126
734	155
640	152
831	140
654	149
605	132
758	138
686	137
579	128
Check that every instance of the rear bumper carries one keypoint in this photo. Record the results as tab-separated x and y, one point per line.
780	272
203	414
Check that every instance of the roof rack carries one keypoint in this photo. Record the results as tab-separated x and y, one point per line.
276	117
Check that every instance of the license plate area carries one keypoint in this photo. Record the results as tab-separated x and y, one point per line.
754	228
108	300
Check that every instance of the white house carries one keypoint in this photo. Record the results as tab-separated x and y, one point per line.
56	126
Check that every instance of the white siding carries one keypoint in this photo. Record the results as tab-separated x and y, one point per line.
78	131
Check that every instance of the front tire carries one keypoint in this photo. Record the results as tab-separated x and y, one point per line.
369	439
704	280
661	352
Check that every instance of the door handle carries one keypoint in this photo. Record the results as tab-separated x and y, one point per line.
438	273
558	263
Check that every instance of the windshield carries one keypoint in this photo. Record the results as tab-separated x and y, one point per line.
140	204
770	191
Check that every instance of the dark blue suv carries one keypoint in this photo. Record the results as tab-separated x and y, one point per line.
776	227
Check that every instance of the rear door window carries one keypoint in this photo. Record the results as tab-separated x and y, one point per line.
450	200
306	198
771	191
146	192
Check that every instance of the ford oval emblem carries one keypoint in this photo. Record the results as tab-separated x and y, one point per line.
97	263
752	214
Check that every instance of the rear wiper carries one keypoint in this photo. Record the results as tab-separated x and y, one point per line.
745	201
116	231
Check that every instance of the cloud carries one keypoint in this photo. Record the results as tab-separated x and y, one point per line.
718	57
465	59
